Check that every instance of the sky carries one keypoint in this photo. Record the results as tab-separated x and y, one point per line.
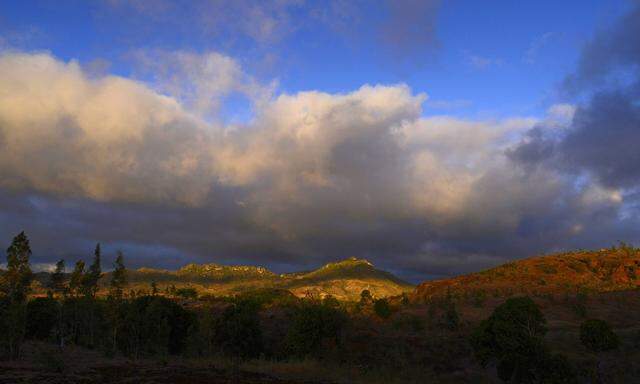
432	138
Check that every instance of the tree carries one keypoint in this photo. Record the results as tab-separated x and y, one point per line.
116	288
90	289
42	317
18	275
76	280
450	317
118	277
186	293
597	336
313	325
17	278
513	338
238	331
58	279
57	286
381	308
94	274
365	297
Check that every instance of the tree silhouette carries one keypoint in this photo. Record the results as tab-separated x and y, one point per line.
116	288
58	280
381	308
17	278
597	336
18	275
76	280
58	287
513	337
94	274
118	277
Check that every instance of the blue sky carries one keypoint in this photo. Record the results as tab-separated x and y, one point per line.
488	59
431	137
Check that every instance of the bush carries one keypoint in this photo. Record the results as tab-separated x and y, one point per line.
238	331
186	293
42	317
153	325
450	318
381	308
313	324
579	306
597	336
512	336
556	369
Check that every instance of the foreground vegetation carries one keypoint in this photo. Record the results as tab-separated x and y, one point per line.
73	334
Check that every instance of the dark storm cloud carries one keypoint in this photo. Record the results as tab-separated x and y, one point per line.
617	47
605	130
534	149
601	139
604	138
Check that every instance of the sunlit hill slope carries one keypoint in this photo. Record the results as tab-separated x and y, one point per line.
613	269
344	280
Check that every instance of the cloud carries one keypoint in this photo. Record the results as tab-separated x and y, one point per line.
107	138
312	177
200	81
604	124
611	54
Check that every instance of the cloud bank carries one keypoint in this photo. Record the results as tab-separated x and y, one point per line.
147	165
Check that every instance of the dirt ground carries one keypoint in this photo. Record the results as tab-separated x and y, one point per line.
44	364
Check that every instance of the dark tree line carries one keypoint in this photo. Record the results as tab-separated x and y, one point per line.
74	313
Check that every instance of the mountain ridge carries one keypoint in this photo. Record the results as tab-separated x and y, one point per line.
344	279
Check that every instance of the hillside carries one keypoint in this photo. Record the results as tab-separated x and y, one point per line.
606	270
344	280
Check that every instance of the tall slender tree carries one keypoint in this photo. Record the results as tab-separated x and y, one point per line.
57	285
18	278
116	288
118	277
94	274
76	281
18	275
58	279
91	279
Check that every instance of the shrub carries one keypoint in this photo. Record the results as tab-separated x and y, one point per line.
42	317
313	324
512	337
238	331
556	369
580	304
478	297
597	336
153	325
450	318
365	297
186	293
381	308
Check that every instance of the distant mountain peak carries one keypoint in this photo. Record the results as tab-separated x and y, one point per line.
348	263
